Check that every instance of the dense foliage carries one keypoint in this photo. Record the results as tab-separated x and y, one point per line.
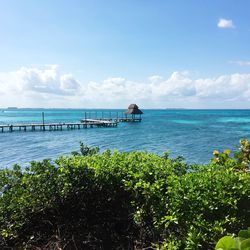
115	200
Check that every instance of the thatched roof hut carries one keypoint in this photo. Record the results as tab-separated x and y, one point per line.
133	109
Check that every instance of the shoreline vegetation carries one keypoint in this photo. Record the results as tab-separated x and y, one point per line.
117	200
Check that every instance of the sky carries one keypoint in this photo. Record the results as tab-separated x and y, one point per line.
108	54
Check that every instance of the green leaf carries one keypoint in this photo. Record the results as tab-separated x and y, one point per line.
226	243
244	234
227	151
245	244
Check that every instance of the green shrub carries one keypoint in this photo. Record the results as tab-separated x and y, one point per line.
241	160
121	201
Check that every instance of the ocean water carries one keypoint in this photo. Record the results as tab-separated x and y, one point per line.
193	134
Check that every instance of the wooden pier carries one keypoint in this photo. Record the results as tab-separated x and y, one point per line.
129	120
111	116
91	119
88	123
117	119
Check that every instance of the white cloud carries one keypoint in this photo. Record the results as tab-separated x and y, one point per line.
36	87
241	63
225	24
69	83
38	80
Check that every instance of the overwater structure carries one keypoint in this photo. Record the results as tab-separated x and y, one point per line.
133	113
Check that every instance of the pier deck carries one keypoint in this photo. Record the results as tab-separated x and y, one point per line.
129	119
117	119
88	123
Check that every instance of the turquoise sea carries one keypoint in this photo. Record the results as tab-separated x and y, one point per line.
193	134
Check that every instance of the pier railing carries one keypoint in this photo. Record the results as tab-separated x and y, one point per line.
117	116
56	126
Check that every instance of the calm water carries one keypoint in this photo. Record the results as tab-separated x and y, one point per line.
193	134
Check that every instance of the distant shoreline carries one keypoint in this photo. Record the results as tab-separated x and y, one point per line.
21	108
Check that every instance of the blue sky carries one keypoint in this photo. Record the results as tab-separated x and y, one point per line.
98	45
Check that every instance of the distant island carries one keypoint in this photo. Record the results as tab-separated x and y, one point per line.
175	108
11	108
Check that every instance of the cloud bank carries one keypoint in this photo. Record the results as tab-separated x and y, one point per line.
225	24
47	87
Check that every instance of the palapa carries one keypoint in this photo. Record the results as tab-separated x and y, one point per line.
133	109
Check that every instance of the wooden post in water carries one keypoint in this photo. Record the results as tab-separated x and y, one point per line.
43	121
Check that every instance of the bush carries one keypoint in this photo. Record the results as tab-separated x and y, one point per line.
121	201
